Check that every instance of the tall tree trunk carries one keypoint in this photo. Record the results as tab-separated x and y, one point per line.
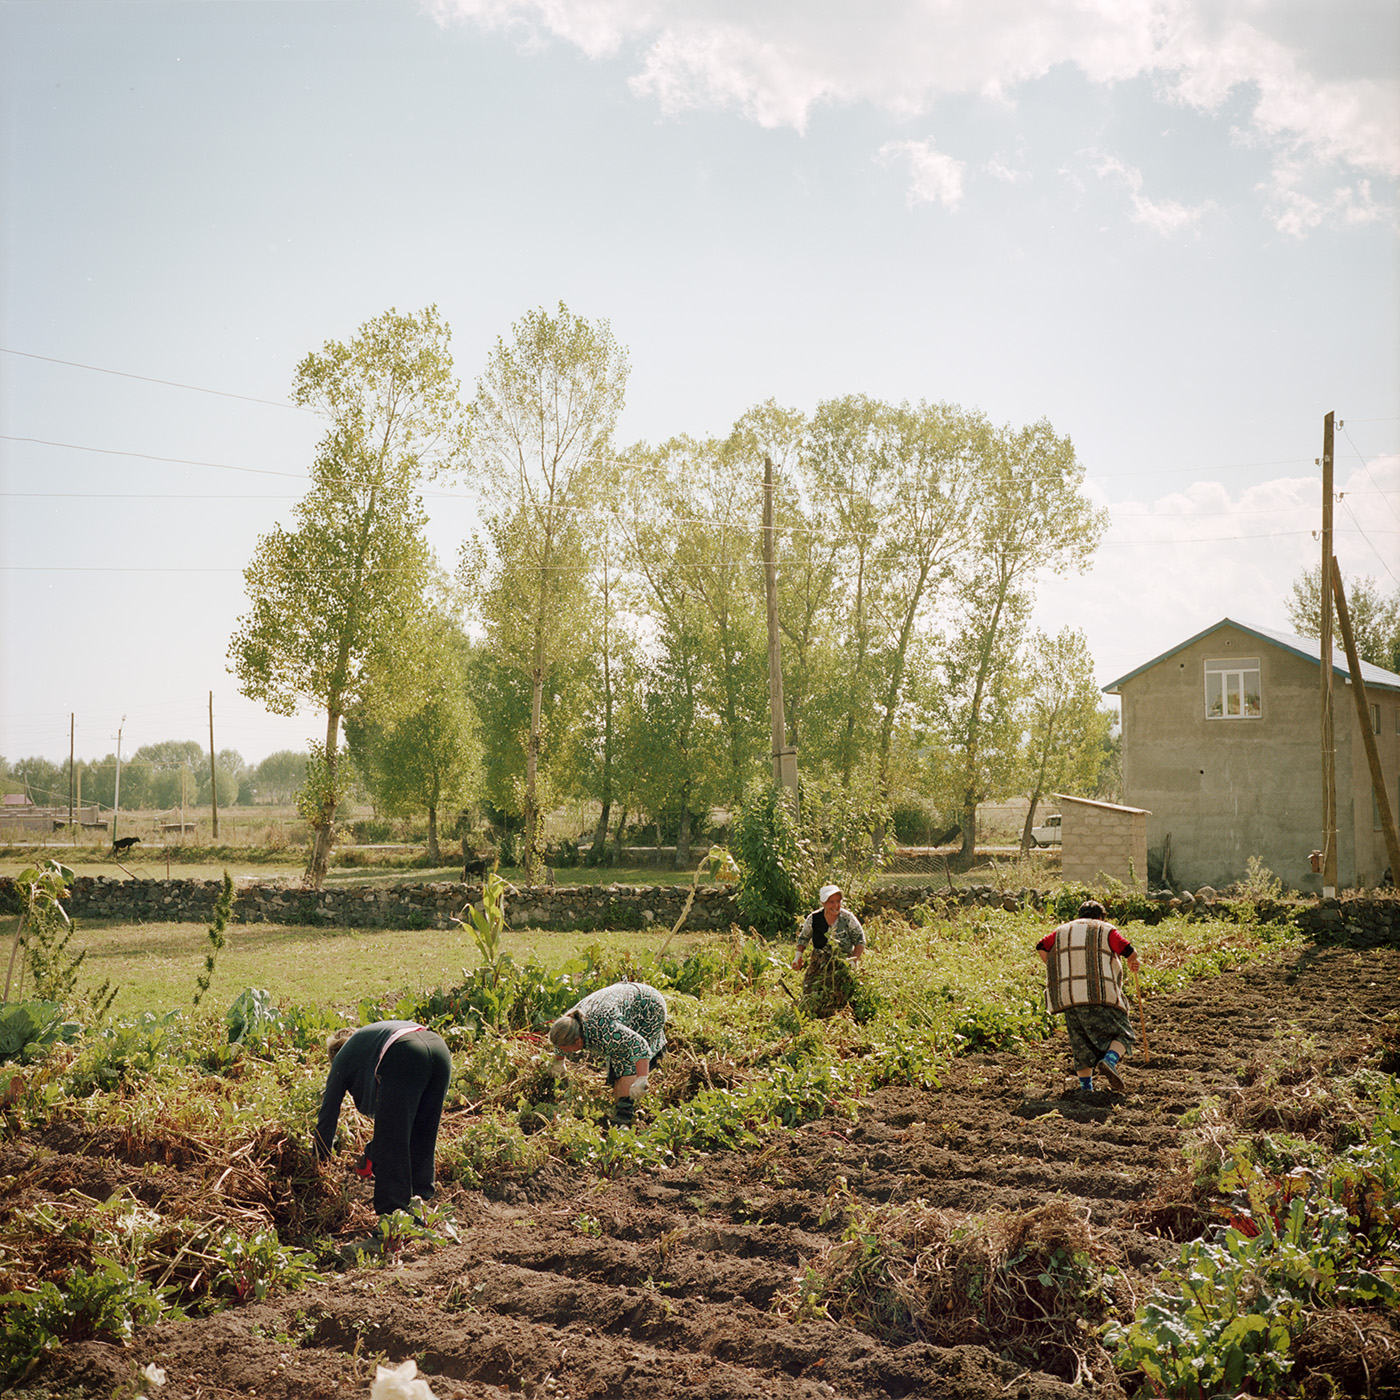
323	825
682	860
599	847
600	830
1038	789
617	836
530	859
974	728
434	854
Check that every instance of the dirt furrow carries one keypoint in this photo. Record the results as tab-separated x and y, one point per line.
668	1284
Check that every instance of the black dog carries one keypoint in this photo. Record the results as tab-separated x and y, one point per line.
475	865
124	845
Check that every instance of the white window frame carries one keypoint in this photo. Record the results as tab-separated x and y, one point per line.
1227	678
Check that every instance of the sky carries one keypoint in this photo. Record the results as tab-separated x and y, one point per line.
1167	226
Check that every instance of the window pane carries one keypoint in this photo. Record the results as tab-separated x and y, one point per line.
1232	694
1214	705
1251	693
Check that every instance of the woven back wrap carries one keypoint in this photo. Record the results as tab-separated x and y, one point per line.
1083	970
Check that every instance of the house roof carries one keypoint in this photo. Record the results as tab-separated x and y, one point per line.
1308	648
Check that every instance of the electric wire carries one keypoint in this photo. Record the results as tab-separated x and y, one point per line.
150	379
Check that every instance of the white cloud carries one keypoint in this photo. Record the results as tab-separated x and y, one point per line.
998	169
934	178
776	61
1173	565
1164	216
1296	212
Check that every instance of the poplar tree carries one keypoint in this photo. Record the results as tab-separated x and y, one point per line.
1066	724
1032	515
332	599
541	424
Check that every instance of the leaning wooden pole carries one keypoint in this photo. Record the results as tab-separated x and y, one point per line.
1363	716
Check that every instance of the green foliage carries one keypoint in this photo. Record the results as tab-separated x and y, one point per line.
29	1028
1227	1311
1375	615
332	601
43	932
1260	885
253	1268
106	1303
491	1150
223	910
1122	903
252	1016
127	1050
776	874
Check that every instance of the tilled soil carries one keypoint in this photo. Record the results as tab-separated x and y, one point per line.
665	1284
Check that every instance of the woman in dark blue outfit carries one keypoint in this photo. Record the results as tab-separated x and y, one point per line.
397	1073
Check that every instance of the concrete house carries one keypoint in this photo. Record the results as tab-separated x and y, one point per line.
1222	746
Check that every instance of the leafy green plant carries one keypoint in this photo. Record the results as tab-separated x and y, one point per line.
223	910
44	932
252	1268
1227	1311
28	1028
106	1303
776	873
126	1050
252	1017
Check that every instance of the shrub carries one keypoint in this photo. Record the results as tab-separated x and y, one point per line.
776	876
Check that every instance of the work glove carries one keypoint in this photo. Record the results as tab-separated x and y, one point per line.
557	1067
364	1167
639	1087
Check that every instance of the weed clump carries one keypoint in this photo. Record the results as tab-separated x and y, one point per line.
1035	1286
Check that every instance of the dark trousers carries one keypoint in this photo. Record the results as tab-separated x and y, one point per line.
413	1079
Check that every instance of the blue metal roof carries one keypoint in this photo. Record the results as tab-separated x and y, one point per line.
1308	648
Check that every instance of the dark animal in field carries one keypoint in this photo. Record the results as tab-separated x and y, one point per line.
124	844
474	868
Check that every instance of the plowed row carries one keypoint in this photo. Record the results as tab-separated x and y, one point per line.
665	1284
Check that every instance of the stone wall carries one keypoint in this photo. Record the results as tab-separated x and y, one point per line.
575	907
1359	918
1355	919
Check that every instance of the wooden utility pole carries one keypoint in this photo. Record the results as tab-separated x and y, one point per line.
117	795
784	755
1363	715
213	771
71	829
1329	740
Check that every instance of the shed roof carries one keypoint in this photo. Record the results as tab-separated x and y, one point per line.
1308	648
1105	806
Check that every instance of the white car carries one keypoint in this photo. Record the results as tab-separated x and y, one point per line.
1047	835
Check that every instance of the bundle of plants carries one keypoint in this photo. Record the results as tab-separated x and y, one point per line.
1033	1286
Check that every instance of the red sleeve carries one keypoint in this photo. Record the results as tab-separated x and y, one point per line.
1118	943
1048	942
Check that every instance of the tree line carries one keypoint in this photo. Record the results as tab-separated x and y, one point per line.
602	637
160	776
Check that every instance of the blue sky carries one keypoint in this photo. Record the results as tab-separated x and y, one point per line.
1169	227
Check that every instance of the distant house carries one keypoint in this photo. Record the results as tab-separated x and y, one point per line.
1222	745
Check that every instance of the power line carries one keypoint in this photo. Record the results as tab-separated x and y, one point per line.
149	457
1366	467
1367	538
149	379
1170	542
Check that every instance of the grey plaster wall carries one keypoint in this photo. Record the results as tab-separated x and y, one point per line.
1225	790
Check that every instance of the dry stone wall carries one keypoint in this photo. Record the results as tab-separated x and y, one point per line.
1360	918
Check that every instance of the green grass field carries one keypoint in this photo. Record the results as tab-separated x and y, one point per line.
155	965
